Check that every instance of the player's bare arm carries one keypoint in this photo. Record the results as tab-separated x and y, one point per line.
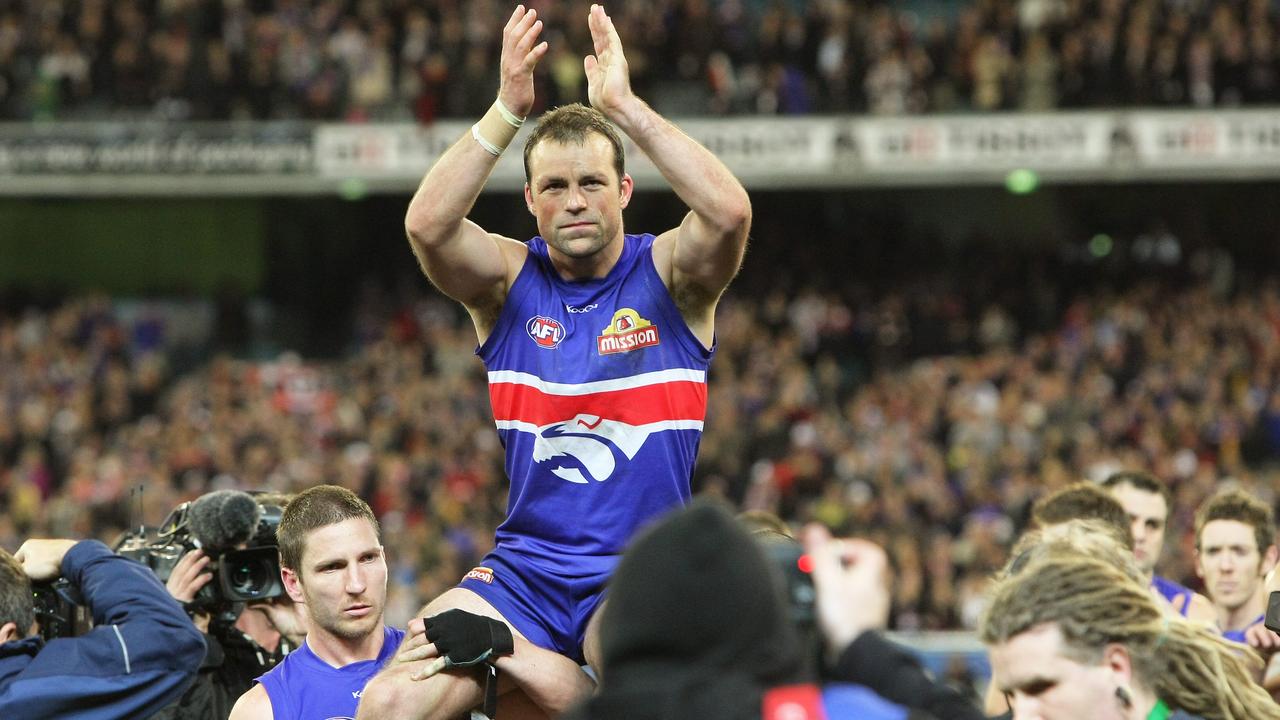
253	705
550	680
698	259
464	261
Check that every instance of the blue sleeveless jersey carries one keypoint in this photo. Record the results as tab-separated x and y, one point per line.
599	393
1177	595
304	687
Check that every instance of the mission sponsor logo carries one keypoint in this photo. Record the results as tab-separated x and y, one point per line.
483	574
546	332
627	331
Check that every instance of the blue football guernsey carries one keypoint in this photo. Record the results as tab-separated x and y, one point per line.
599	393
304	687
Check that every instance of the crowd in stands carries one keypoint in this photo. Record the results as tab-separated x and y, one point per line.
396	59
925	417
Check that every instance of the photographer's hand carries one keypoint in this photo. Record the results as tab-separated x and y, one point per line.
42	559
284	616
850	578
189	576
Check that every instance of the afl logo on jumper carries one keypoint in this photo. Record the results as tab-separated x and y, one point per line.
627	331
546	332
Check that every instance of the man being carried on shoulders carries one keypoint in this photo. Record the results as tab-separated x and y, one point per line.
597	344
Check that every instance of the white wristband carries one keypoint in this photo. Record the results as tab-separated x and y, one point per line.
512	119
489	147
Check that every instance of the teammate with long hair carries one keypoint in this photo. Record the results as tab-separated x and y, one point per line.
1075	636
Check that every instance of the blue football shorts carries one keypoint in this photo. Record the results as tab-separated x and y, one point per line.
550	606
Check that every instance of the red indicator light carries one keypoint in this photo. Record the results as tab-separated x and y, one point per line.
805	563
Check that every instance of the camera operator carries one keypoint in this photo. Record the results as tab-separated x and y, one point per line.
696	626
262	635
244	640
142	652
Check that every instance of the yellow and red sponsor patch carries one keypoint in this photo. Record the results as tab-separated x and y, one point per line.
627	331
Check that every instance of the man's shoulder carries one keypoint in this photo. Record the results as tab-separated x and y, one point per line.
254	704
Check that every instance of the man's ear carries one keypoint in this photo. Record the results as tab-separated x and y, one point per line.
1116	659
9	632
1199	563
292	584
1269	559
528	199
627	186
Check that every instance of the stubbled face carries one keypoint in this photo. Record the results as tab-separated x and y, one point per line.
577	197
1148	514
1042	684
1230	563
343	579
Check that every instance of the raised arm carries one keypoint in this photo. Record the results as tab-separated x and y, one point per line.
468	264
699	258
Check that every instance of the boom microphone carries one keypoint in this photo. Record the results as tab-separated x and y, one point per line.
223	519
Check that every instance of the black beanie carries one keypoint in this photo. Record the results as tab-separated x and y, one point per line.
695	625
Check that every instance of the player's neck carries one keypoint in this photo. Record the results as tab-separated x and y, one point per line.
339	652
1243	616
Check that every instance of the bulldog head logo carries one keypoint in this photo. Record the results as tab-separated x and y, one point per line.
590	440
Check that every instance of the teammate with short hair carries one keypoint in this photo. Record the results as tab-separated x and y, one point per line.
333	566
597	344
1082	501
1146	500
1235	549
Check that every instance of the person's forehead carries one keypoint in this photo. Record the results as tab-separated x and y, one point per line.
1142	503
1033	653
1226	532
353	535
594	153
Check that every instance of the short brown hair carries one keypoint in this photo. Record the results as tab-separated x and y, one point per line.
1140	480
572	124
16	605
1082	501
314	508
1242	507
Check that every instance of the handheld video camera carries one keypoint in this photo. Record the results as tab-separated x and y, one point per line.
235	531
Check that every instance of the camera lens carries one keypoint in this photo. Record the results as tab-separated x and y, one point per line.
250	577
252	574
